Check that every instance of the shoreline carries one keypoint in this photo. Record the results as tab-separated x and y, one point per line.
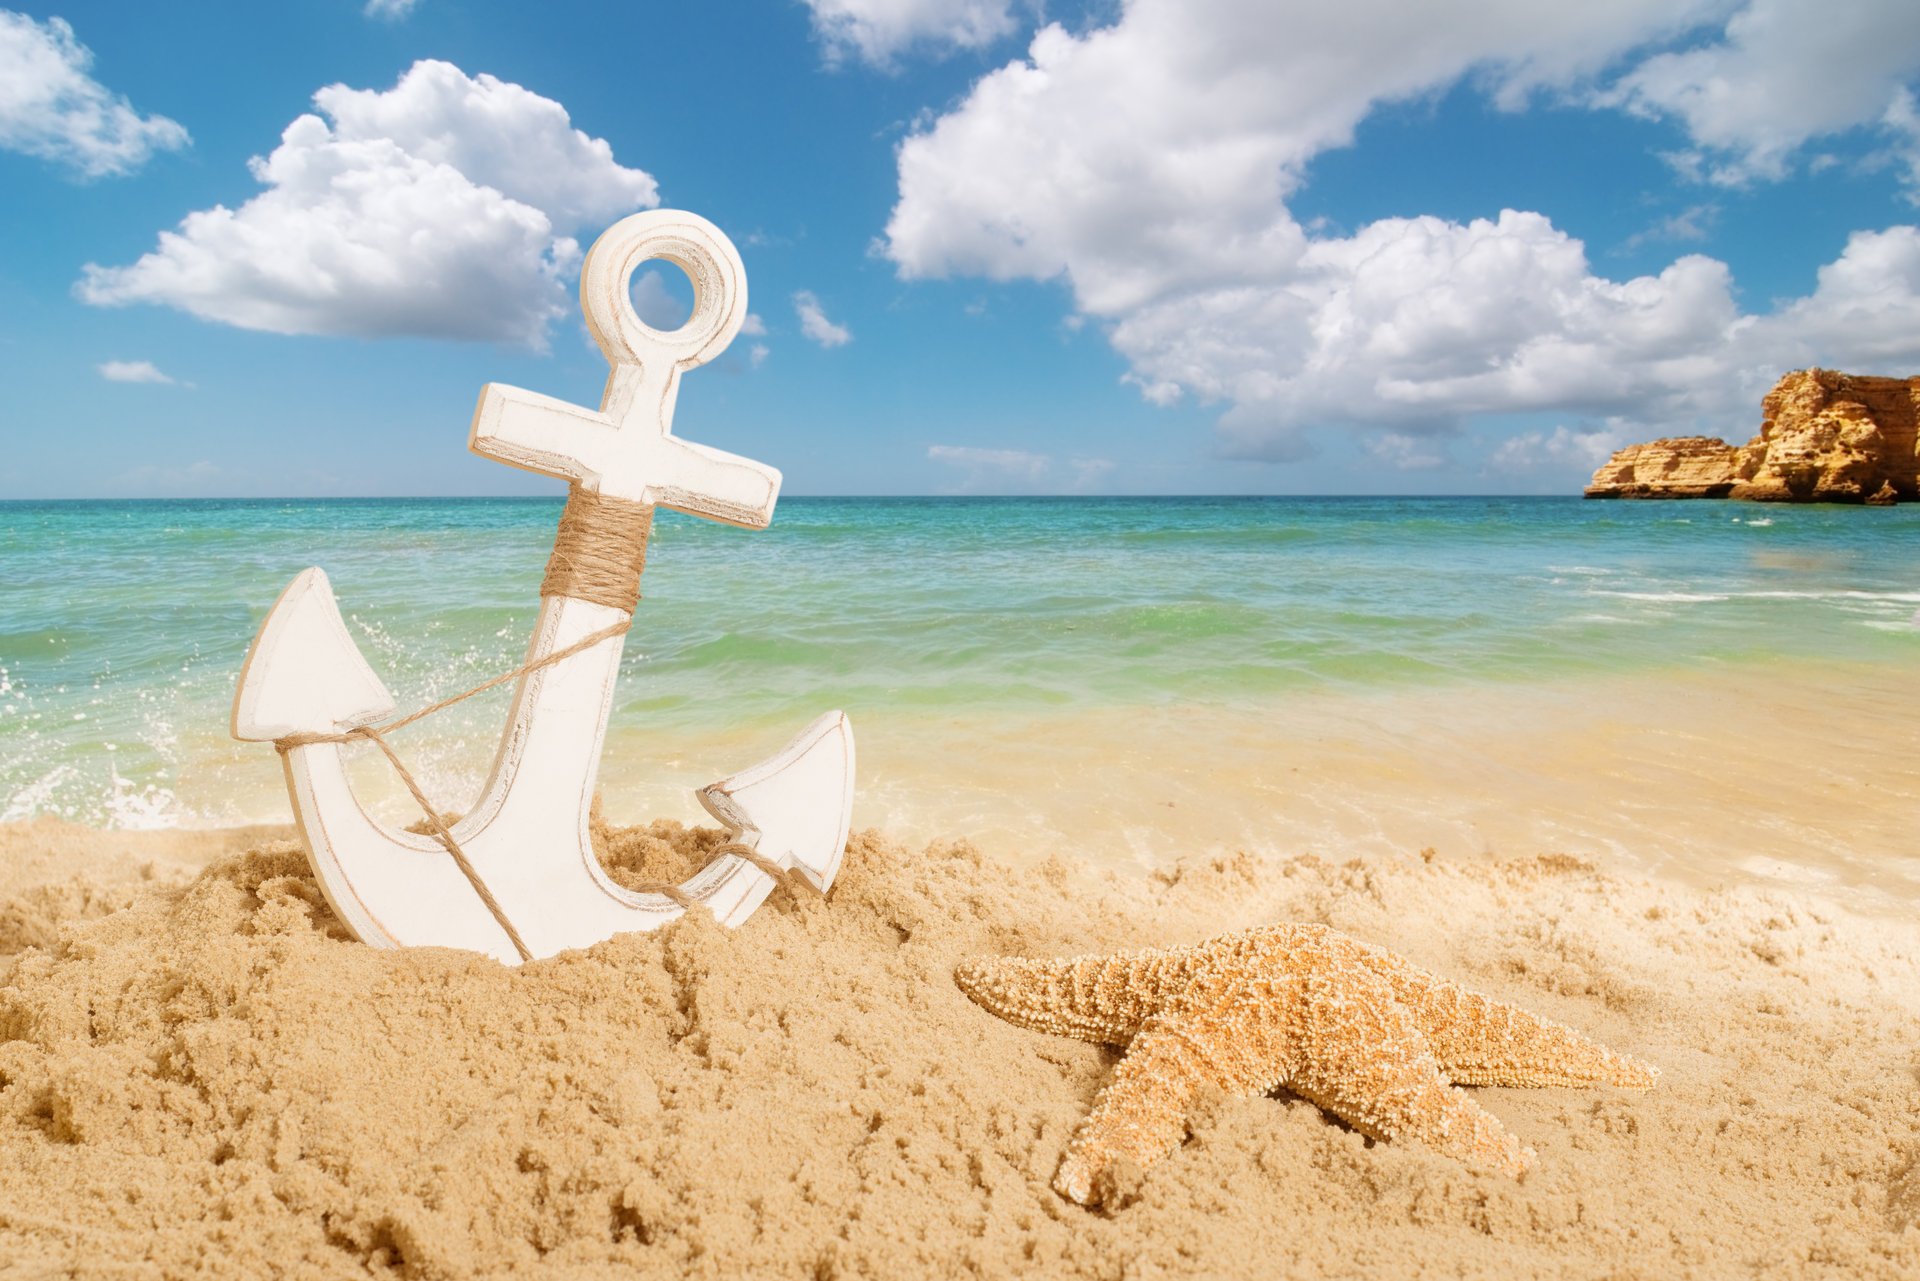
1768	773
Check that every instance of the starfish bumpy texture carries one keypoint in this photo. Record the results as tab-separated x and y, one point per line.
1361	1032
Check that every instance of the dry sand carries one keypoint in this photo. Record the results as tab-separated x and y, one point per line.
199	1073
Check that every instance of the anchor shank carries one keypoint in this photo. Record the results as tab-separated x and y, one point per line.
545	767
549	758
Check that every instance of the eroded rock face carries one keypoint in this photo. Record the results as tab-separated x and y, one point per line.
1824	437
1677	467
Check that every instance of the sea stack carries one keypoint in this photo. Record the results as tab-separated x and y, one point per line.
1825	437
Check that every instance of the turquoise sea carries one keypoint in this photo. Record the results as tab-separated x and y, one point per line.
122	624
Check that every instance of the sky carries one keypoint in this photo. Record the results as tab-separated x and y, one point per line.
992	246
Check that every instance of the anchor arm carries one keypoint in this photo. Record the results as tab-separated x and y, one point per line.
540	433
709	482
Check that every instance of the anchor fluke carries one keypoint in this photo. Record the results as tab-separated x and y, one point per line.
304	674
794	807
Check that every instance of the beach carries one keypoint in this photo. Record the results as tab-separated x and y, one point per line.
1646	771
212	1078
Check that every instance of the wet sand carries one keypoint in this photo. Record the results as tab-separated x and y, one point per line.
1789	776
1770	773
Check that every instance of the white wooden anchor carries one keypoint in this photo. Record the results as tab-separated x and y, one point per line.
527	836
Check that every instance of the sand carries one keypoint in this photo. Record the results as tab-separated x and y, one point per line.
200	1074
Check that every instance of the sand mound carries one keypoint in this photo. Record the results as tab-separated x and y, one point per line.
212	1078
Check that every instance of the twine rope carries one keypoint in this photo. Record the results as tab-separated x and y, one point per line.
600	550
598	555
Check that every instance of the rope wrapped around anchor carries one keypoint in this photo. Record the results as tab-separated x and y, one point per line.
600	550
598	555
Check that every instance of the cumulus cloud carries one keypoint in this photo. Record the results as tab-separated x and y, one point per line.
1864	312
1564	447
814	323
132	371
439	208
391	10
876	32
1780	73
1136	157
52	108
1148	163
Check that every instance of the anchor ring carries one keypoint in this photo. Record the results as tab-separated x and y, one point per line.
690	243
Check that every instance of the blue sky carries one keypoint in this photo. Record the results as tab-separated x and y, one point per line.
1212	246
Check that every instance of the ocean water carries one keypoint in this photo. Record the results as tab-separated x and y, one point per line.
123	624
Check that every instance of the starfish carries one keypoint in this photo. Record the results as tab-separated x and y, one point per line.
1365	1034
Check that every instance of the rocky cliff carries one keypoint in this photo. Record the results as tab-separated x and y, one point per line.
1825	437
1677	467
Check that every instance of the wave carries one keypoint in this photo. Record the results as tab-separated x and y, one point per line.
1666	598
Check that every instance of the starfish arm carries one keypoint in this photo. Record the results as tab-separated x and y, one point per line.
1364	1060
1480	1041
1141	1114
1104	999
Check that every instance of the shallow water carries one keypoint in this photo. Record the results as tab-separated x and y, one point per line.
961	632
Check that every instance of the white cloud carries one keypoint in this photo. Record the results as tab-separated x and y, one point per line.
1150	154
1000	470
170	479
878	31
1780	73
1864	312
757	354
498	135
1405	453
391	10
1088	472
814	323
1902	120
992	467
753	326
1695	222
1565	447
51	108
132	371
1148	164
438	208
1155	391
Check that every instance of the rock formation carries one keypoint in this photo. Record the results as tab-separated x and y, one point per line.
1825	437
1677	467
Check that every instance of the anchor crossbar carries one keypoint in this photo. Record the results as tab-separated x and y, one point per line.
527	836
